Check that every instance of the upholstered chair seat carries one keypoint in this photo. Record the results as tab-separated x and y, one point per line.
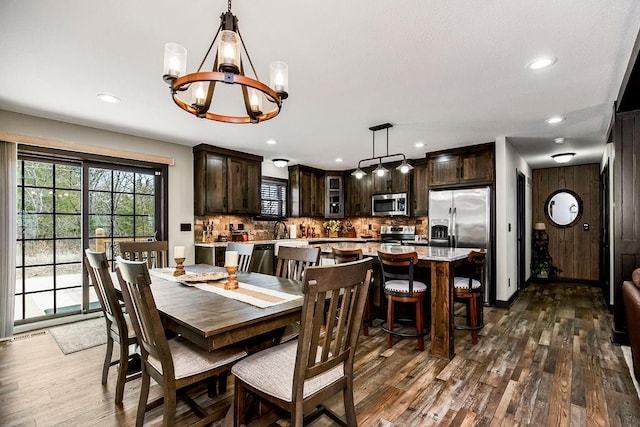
402	286
463	283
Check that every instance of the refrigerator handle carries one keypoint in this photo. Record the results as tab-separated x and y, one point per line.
454	231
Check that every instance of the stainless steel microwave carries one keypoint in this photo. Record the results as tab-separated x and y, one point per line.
390	205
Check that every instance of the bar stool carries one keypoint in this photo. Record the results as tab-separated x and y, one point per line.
468	290
399	286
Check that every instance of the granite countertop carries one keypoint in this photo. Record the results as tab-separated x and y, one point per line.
274	241
370	248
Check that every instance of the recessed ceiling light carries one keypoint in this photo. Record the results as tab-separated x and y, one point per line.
419	144
542	62
339	159
105	97
558	140
272	141
555	119
563	157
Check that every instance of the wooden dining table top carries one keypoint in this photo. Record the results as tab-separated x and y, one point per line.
213	321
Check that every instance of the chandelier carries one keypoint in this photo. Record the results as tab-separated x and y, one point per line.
404	167
227	68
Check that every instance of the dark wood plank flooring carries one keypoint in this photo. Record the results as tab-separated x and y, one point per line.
545	361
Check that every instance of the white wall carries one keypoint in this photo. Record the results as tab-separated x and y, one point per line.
180	174
508	164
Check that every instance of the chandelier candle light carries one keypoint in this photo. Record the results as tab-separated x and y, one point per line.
404	167
178	256
227	68
231	265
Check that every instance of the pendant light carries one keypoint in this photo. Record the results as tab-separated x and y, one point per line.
404	167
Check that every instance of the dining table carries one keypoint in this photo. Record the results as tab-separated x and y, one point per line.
212	320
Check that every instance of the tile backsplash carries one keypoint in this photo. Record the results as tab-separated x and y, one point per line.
258	229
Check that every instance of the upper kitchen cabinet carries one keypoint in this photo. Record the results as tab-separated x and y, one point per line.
420	188
334	206
393	181
358	195
306	191
226	181
468	165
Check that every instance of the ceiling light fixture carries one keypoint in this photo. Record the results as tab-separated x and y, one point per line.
227	68
555	119
339	160
272	142
419	144
280	163
558	140
111	99
563	157
539	63
404	167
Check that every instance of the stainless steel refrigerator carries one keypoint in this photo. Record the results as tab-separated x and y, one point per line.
462	218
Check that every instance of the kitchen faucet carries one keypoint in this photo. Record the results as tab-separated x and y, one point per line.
276	232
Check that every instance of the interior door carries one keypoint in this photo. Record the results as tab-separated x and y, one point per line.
520	232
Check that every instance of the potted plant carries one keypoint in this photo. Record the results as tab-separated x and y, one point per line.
332	226
544	269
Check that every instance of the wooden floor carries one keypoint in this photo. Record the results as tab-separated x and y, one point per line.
545	361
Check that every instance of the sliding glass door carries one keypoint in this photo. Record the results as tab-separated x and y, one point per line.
65	206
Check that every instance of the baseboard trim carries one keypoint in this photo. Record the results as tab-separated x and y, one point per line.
507	304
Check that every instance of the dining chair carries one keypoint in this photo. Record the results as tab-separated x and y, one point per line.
400	287
174	364
300	375
291	262
119	328
468	290
349	255
155	253
245	255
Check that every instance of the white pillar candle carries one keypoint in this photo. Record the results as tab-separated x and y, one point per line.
178	252
231	258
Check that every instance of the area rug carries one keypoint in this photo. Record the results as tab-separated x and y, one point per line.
81	335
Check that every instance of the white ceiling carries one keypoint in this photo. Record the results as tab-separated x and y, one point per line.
447	73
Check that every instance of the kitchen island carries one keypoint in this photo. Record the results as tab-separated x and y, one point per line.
442	262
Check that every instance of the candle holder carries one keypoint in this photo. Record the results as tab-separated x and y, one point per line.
179	267
232	282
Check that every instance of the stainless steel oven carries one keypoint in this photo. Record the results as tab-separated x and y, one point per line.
396	204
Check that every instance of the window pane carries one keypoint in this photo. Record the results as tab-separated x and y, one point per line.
38	174
145	226
18	280
68	226
123	204
38	252
19	253
99	179
39	304
68	201
68	250
38	200
69	300
99	203
123	226
145	205
99	221
69	275
145	184
38	278
18	308
38	226
68	177
123	181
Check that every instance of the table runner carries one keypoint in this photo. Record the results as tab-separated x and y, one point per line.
250	294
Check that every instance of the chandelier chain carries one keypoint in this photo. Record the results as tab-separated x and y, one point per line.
229	5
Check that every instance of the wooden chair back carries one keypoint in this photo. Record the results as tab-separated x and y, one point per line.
138	299
346	255
473	269
156	253
245	255
98	269
293	261
398	266
334	301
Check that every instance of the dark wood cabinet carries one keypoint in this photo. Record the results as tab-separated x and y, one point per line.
468	165
420	188
358	195
244	177
334	195
306	191
226	181
393	181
